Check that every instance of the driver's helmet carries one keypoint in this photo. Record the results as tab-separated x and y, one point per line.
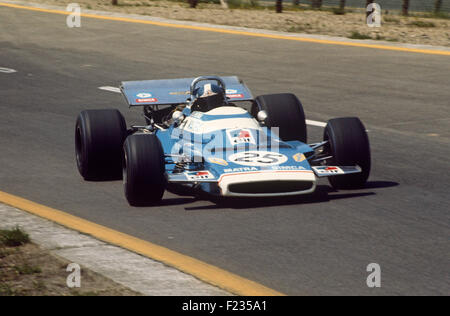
208	97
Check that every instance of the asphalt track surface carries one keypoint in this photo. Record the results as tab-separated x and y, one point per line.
309	245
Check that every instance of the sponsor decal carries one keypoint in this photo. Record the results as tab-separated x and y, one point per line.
235	96
240	136
288	168
218	161
243	169
325	171
199	175
299	157
328	170
231	91
143	95
258	158
180	93
147	100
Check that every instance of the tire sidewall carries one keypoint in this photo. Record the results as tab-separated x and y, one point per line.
349	145
99	157
144	170
283	110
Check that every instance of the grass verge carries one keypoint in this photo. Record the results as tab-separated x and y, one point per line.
27	270
296	19
13	237
419	23
358	35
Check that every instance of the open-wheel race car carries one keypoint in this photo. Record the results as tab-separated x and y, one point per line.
196	136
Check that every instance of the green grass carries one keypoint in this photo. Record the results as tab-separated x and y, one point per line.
26	269
87	293
14	237
239	4
432	15
338	11
441	15
296	29
422	24
390	19
39	285
6	290
382	38
4	252
357	35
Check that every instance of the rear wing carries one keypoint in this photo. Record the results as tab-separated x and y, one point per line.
176	91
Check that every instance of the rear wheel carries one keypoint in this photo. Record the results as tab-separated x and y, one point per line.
285	111
349	146
143	170
99	137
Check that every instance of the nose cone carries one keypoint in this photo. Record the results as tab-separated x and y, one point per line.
267	183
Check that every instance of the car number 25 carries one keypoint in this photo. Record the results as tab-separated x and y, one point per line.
258	158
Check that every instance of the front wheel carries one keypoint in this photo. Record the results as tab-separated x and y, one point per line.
99	137
348	143
143	170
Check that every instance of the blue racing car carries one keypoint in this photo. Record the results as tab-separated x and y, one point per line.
195	135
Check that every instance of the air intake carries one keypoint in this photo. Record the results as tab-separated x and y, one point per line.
265	187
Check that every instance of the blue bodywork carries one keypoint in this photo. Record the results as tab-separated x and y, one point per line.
217	145
225	151
210	153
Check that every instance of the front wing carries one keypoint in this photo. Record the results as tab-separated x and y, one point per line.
261	182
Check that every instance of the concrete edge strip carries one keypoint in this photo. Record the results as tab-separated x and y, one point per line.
201	270
122	266
236	32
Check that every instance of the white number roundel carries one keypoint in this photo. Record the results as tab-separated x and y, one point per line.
258	158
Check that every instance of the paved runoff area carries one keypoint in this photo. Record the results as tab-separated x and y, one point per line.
138	273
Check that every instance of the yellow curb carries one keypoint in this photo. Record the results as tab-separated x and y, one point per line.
208	273
235	32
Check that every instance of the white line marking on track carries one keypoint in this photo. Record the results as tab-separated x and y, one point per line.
308	122
316	123
110	89
7	70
